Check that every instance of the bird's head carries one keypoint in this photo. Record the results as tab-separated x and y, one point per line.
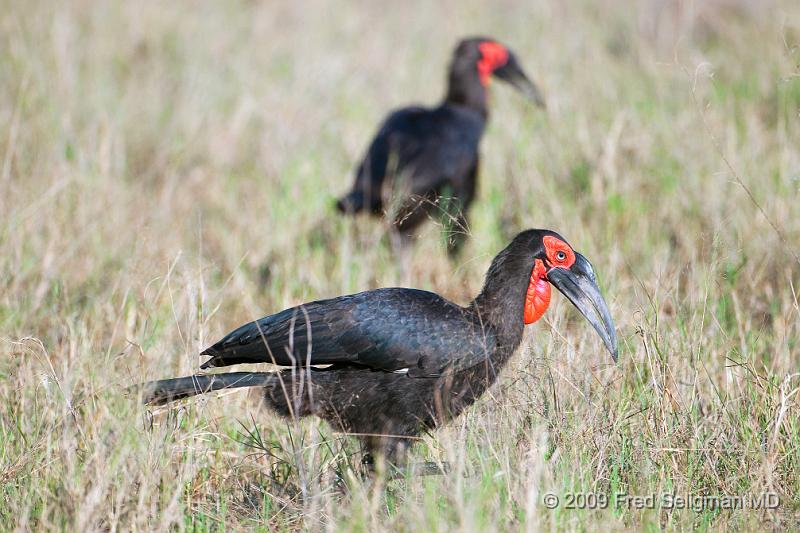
489	58
522	274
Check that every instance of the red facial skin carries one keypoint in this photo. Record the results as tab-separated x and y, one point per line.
552	246
537	297
493	56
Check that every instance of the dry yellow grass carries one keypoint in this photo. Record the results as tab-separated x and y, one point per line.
154	157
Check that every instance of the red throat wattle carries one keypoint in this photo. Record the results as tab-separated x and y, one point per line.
493	55
537	297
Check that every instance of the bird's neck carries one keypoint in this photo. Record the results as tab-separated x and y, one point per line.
464	88
501	303
502	309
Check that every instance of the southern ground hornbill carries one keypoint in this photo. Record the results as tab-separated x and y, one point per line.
400	360
423	162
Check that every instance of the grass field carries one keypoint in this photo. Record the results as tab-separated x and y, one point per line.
167	173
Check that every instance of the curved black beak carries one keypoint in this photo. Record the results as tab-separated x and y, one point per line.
579	284
513	74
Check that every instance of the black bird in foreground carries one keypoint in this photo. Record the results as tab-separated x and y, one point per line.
400	360
423	162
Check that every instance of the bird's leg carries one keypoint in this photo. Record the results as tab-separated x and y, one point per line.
401	247
457	222
456	235
394	463
367	465
427	468
405	220
454	224
400	468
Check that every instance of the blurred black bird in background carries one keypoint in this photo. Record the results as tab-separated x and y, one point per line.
386	364
423	162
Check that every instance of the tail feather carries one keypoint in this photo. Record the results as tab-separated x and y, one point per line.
167	390
357	201
351	203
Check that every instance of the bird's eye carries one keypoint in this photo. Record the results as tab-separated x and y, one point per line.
561	256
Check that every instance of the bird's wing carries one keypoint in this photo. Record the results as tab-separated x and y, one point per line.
382	158
436	147
385	329
428	148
